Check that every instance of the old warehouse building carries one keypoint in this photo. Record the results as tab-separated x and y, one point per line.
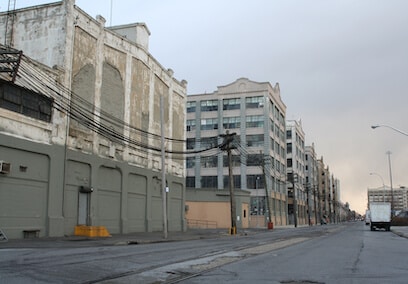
80	127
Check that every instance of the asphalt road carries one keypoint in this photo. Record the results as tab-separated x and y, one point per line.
353	254
320	253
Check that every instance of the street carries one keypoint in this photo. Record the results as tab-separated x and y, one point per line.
352	255
345	253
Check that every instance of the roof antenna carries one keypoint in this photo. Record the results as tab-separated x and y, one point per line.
8	35
111	8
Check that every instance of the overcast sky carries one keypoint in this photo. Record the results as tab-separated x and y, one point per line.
342	66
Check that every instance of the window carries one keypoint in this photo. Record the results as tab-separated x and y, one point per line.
26	102
254	160
209	162
209	142
272	125
191	106
253	121
277	147
190	162
191	124
209	182
209	124
277	132
210	105
289	163
289	148
231	122
288	134
236	181
276	113
190	182
254	102
236	161
190	143
229	104
270	106
282	118
255	181
255	140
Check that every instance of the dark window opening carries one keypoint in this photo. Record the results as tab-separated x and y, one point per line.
26	102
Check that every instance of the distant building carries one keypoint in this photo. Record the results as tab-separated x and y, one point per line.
324	190
80	126
295	168
398	196
312	183
256	113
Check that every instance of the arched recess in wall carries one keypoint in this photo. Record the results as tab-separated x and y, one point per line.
83	85
140	99
113	95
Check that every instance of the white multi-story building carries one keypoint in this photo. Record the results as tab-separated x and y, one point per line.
256	113
398	196
295	162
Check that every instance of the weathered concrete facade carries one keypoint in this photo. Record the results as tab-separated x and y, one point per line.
104	134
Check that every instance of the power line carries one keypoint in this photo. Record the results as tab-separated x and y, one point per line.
85	113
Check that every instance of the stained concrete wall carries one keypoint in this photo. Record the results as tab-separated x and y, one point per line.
117	78
125	198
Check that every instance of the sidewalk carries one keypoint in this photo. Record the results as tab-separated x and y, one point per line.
401	231
143	238
123	239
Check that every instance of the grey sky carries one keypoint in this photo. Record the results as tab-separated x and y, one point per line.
342	65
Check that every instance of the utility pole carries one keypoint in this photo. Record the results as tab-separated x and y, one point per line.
307	203
270	224
295	211
227	146
163	161
315	201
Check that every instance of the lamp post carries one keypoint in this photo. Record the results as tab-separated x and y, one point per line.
392	192
393	128
382	183
389	159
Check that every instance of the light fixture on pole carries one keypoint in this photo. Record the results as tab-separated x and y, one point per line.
393	128
382	183
392	191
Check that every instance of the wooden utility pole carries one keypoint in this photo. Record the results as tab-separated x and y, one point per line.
270	224
163	161
227	146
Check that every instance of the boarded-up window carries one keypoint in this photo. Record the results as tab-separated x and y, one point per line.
29	103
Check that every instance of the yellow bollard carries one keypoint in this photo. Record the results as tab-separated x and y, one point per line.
233	231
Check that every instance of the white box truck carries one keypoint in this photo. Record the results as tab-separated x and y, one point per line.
380	215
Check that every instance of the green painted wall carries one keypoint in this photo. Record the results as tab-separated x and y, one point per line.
125	198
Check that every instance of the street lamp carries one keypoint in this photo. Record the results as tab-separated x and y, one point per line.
393	128
392	191
382	183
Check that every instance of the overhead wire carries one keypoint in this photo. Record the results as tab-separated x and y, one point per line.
84	112
104	124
